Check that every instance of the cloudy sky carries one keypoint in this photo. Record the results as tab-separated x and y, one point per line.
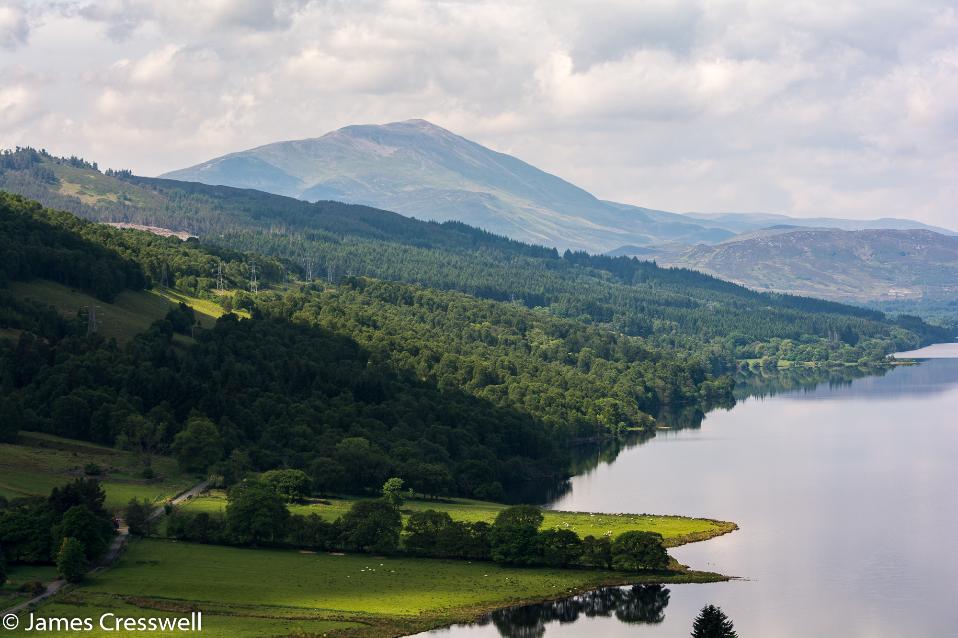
840	107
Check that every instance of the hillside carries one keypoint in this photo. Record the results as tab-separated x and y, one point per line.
354	383
863	266
675	309
745	222
363	379
422	170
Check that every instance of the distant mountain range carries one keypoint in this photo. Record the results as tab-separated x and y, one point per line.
744	222
422	170
863	266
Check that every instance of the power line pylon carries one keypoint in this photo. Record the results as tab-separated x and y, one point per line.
219	276
91	321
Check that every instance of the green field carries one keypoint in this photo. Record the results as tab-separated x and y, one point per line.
207	311
39	462
676	530
129	315
246	592
17	575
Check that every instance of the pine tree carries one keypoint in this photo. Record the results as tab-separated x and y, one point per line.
71	561
713	623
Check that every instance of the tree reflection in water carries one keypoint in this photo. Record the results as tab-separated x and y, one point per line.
636	604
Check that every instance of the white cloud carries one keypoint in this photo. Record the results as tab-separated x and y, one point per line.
833	107
14	28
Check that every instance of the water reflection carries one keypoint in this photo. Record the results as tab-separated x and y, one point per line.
796	383
640	604
763	383
844	491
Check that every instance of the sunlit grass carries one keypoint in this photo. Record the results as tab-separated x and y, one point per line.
40	462
248	592
676	530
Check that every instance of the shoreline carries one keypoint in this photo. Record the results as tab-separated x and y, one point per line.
679	575
164	559
472	615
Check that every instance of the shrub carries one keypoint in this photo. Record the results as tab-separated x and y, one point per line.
32	587
92	469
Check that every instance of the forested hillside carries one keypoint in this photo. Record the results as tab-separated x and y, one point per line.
352	382
673	308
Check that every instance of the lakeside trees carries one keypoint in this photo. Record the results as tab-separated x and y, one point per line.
376	526
369	380
639	550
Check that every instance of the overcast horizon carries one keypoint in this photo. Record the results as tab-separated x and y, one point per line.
830	109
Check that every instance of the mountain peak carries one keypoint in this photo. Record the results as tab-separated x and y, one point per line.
421	124
420	169
416	125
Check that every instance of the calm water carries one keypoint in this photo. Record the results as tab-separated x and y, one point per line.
845	495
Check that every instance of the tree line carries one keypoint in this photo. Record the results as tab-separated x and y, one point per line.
676	308
257	515
352	384
71	528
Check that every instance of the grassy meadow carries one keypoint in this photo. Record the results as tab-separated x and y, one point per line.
39	462
248	592
17	575
129	315
676	530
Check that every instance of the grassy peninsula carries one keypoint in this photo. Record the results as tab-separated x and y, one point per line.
256	592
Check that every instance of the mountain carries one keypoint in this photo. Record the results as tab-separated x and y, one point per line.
673	308
424	171
745	222
861	266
